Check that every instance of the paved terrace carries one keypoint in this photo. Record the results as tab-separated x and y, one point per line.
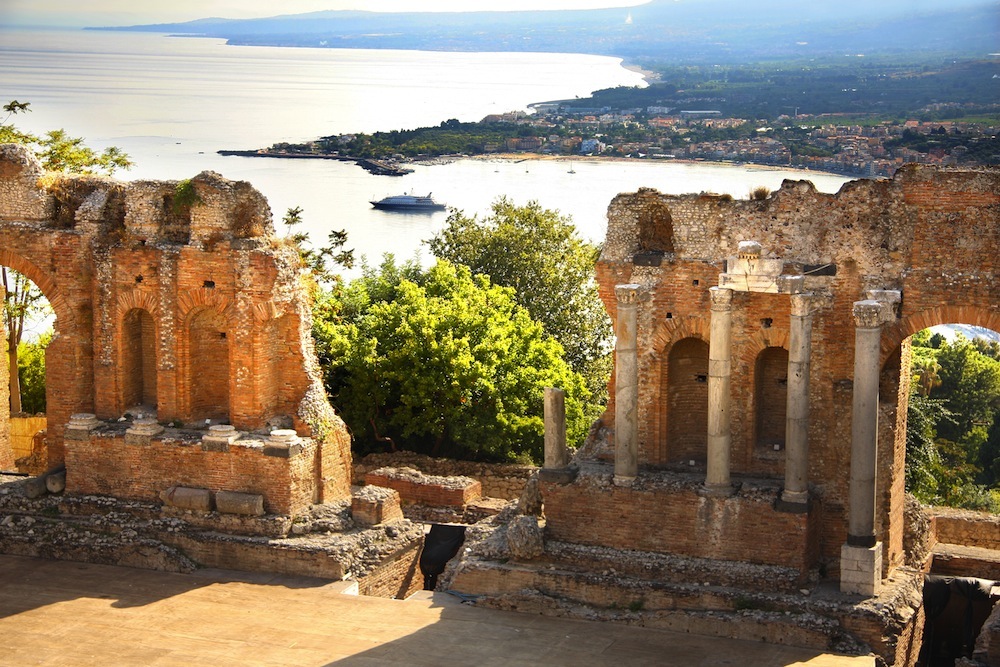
63	613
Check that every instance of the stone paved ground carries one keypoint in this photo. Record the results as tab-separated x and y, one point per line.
76	614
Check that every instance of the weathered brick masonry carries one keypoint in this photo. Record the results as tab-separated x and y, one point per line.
173	301
929	237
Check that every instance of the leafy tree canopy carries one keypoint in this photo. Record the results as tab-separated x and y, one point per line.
58	151
539	254
443	362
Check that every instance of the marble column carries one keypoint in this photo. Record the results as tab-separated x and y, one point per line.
797	406
626	385
861	555
556	455
719	395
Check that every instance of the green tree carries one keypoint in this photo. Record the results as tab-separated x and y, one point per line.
58	151
539	254
970	385
446	364
23	301
31	371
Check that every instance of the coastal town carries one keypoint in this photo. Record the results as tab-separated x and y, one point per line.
825	142
855	118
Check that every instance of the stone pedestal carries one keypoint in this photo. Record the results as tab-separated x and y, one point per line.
80	425
717	480
626	385
283	443
219	437
861	569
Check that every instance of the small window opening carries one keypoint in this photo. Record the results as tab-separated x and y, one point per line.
695	282
138	279
209	284
701	377
766	323
670	316
222	334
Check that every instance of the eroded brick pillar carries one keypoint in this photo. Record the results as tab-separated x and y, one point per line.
719	396
861	556
556	455
626	385
796	491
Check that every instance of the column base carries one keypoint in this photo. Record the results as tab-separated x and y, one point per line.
623	480
861	569
558	475
717	490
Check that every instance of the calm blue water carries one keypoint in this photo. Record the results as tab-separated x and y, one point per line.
172	102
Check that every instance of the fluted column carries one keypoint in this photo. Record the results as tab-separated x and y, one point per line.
861	556
719	395
626	385
797	405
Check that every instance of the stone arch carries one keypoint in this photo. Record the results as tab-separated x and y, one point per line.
205	297
45	282
205	391
894	335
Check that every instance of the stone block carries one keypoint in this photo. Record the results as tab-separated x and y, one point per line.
233	502
186	498
372	505
861	569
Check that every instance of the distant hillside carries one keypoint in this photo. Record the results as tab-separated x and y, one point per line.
681	30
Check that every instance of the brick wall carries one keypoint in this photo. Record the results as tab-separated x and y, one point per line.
667	515
140	468
929	233
6	450
398	576
195	310
436	491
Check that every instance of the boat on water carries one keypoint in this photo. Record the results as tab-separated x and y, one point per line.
410	202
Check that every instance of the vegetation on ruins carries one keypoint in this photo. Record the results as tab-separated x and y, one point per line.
57	151
953	430
539	254
442	362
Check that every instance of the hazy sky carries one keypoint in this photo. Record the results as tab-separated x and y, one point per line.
126	12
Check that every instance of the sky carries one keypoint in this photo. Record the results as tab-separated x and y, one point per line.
129	12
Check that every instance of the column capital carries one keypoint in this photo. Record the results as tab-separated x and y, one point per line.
627	294
868	314
722	298
803	304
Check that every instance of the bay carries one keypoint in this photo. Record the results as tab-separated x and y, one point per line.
172	102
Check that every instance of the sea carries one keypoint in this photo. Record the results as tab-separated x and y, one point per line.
172	102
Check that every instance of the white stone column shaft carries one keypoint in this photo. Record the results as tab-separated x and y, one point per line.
626	384
719	395
864	423
797	404
555	429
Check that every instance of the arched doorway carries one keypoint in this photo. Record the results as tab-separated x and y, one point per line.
208	365
138	360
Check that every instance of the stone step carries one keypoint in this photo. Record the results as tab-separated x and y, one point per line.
666	568
694	608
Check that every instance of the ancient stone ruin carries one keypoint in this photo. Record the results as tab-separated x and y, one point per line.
755	440
747	477
182	355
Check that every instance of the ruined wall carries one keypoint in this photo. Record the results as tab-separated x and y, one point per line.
6	451
172	300
929	233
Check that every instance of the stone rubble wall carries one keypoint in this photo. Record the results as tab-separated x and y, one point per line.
499	480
